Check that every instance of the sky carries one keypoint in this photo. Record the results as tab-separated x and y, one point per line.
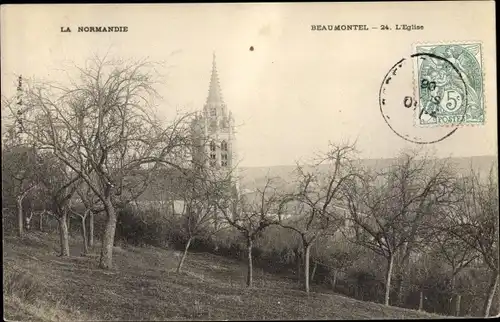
294	93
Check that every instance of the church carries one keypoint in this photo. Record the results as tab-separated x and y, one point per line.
213	133
213	137
213	143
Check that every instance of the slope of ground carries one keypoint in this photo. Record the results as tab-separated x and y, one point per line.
144	286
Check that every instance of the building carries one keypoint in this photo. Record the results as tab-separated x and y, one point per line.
213	148
213	134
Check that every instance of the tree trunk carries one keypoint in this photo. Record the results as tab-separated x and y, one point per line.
457	305
91	229
216	223
40	223
314	271
491	294
84	235
334	281
69	223
396	282
307	249
186	248
451	302
404	275
249	267
20	219
403	289
421	302
63	234
390	263
108	237
452	283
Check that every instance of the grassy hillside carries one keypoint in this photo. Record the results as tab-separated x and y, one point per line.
144	286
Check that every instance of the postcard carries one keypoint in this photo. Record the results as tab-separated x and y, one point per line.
250	161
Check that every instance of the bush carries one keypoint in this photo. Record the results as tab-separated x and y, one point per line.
201	244
273	251
142	227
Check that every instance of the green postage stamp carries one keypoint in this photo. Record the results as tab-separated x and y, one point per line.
449	84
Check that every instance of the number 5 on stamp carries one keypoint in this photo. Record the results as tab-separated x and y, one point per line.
450	87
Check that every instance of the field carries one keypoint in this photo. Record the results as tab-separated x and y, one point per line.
40	286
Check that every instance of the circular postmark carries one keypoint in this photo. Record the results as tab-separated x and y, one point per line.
423	99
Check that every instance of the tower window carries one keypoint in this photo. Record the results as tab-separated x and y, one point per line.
224	146
212	146
224	160
213	159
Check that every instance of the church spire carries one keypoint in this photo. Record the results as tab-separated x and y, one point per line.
214	91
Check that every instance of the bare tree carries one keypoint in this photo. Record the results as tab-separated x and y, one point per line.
198	191
445	247
102	126
19	164
60	184
251	214
84	205
475	222
83	215
337	257
390	207
92	206
314	203
19	177
37	206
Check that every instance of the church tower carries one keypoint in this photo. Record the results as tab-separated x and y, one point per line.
214	134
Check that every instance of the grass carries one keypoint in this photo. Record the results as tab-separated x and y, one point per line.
144	286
